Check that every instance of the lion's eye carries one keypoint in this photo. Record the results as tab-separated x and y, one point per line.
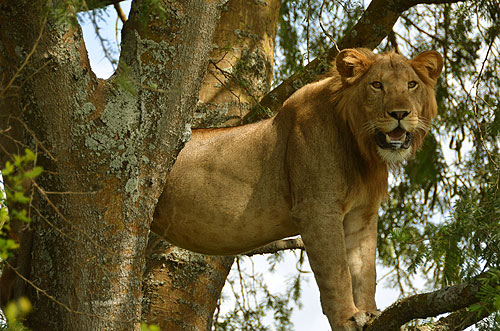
412	84
377	85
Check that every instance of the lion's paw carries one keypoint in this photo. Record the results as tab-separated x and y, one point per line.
357	321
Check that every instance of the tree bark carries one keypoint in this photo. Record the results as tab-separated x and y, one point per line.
181	288
239	73
105	150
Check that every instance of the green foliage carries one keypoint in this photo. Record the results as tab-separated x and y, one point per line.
14	199
64	12
489	294
15	312
300	36
149	327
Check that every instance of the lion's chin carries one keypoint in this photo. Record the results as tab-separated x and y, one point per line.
394	157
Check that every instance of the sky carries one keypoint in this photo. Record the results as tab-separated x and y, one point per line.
310	317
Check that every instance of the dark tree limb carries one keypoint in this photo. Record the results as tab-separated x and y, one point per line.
450	299
375	24
456	321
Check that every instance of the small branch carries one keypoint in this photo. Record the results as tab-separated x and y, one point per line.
276	246
424	31
324	30
120	12
26	59
56	301
431	2
93	16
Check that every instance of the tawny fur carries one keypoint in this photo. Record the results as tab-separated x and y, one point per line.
314	169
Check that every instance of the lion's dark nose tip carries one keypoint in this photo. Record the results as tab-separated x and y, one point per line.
399	114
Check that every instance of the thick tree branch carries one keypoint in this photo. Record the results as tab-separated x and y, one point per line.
456	321
375	24
150	45
450	299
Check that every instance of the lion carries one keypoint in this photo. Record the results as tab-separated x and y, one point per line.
317	169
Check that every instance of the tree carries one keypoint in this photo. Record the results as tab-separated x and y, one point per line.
105	148
106	145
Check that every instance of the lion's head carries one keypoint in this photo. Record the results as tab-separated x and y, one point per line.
387	100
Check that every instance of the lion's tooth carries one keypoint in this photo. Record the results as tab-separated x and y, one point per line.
388	139
396	144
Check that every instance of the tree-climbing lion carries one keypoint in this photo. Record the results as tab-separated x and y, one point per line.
318	168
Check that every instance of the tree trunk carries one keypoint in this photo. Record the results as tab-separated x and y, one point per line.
105	149
239	74
241	67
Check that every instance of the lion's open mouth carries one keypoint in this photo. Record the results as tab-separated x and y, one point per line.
397	138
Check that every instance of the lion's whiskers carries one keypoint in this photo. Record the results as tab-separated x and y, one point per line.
367	128
423	124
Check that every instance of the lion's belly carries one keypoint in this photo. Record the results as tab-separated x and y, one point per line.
222	198
219	233
224	218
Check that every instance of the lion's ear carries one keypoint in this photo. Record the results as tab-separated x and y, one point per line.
429	63
351	64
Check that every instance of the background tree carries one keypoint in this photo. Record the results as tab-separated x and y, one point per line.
106	145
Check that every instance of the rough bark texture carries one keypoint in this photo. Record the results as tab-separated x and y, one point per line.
182	288
106	150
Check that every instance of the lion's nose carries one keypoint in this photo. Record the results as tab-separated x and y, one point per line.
399	114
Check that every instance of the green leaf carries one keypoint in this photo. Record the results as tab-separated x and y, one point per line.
33	173
29	156
8	170
497	302
20	197
6	247
21	215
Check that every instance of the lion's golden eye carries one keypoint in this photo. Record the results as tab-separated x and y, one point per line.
377	85
412	84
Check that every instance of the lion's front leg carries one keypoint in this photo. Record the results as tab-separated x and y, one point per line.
360	230
323	235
